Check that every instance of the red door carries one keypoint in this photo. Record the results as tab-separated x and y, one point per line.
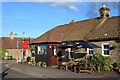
54	60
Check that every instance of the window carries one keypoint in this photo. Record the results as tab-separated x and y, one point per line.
38	50
70	54
105	49
42	49
55	51
90	51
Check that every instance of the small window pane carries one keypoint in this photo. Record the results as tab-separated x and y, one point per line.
91	52
106	52
106	49
55	51
42	50
106	46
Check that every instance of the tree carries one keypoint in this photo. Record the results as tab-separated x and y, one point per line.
2	52
32	48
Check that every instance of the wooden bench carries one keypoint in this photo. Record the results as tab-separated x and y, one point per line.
84	69
66	65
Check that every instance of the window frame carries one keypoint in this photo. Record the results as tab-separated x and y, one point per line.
54	50
105	49
42	50
71	54
88	49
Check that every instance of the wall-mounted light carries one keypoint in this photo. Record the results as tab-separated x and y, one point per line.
50	46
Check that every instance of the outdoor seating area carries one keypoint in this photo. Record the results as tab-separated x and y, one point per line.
75	63
78	67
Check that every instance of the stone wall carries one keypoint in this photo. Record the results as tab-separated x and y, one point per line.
17	53
113	52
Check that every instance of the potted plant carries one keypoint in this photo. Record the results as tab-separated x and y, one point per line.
44	64
39	64
34	63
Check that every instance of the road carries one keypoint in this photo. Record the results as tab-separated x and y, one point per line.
15	70
9	73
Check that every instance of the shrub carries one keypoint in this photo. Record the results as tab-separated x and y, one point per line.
32	48
34	63
115	65
12	58
39	64
2	53
105	63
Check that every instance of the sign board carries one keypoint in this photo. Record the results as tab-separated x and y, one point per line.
25	45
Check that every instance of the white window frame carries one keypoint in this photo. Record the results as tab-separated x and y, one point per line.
41	50
105	49
69	54
88	51
55	50
38	49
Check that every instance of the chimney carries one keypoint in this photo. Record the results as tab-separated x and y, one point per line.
104	12
72	21
11	35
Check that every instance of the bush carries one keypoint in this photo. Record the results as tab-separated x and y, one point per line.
34	63
12	58
105	63
39	64
115	65
2	53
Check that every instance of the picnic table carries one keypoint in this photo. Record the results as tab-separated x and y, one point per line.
66	65
85	67
81	67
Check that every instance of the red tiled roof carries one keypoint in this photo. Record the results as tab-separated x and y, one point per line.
87	29
11	43
54	35
110	29
80	29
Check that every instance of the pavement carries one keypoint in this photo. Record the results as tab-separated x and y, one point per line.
52	72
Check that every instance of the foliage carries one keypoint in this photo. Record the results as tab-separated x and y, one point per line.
12	58
105	63
34	63
39	64
32	48
114	47
2	53
116	65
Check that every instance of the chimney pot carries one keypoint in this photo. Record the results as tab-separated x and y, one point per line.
73	21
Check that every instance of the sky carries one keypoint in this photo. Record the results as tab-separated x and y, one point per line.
36	18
